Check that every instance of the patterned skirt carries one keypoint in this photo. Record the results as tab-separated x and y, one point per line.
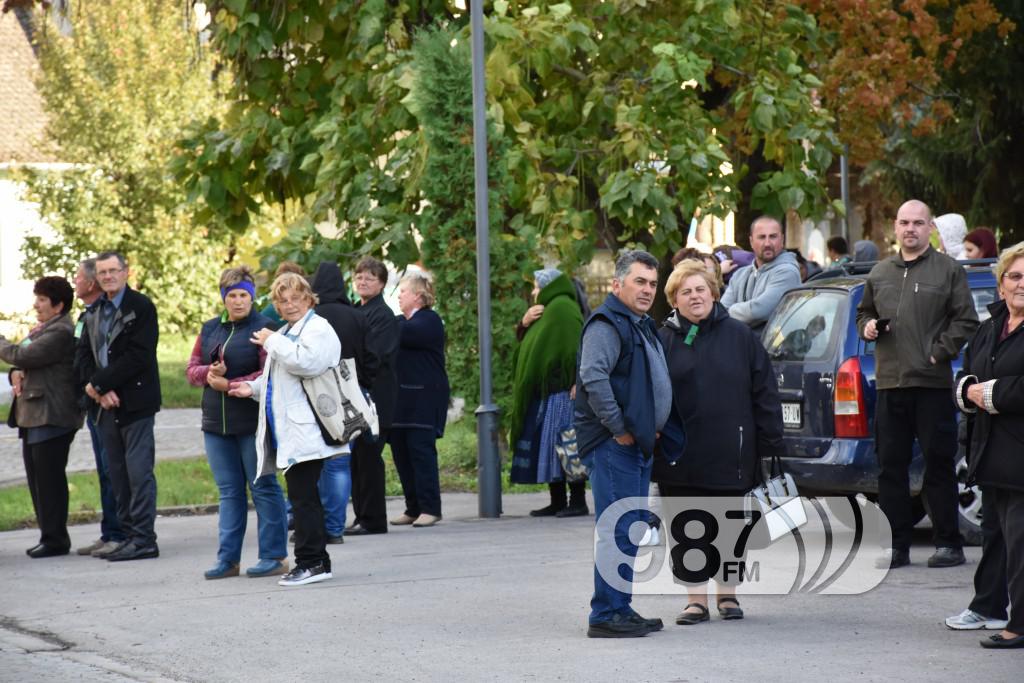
534	460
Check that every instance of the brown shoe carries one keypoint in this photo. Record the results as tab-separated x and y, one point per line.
426	520
95	545
403	520
108	548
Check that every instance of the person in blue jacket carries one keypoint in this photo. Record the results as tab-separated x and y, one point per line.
422	406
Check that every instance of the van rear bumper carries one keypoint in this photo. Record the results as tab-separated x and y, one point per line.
848	466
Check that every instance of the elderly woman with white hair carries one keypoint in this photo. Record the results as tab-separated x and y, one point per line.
545	371
422	407
288	434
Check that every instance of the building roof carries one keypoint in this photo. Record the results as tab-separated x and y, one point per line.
22	118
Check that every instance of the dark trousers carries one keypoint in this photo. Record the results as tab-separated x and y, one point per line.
1010	508
368	500
130	454
110	525
308	513
990	597
928	415
415	454
45	463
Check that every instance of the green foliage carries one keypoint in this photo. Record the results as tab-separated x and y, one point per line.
612	122
442	100
118	92
986	92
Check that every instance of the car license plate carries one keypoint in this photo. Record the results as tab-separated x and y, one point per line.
791	414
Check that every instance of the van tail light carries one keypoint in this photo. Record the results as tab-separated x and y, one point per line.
851	416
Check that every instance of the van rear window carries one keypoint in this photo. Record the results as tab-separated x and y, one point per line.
806	325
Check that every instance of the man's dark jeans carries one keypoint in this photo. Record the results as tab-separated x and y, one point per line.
618	472
130	452
110	525
928	415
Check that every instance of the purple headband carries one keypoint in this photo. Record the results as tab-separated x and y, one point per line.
244	284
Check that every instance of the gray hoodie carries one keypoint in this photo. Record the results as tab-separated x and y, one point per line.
753	292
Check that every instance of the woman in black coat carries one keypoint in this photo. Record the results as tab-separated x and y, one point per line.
422	407
725	398
990	391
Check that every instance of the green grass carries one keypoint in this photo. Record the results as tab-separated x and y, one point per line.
188	481
172	355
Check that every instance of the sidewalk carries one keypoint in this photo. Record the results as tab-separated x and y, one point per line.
177	436
470	599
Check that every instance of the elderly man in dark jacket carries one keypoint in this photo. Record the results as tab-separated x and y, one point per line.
350	326
917	308
119	337
368	501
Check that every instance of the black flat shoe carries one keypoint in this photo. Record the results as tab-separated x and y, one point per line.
691	618
997	642
573	511
546	511
729	613
360	530
133	551
46	551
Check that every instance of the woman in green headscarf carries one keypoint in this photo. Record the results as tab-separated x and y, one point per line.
545	371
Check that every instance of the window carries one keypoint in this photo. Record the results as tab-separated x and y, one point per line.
805	326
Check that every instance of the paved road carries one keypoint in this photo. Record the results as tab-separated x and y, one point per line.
177	436
471	599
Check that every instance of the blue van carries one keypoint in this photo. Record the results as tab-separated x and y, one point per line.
826	378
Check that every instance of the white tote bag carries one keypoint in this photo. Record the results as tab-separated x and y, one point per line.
345	411
779	502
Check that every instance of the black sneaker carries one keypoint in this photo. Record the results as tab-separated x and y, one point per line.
547	511
893	559
335	540
300	576
947	557
619	627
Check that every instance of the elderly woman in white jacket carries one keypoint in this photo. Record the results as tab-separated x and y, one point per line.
288	434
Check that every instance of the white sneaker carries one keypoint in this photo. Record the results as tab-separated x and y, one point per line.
969	620
651	537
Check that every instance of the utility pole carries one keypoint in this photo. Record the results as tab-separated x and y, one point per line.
488	463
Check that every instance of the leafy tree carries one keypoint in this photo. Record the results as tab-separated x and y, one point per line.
118	91
969	162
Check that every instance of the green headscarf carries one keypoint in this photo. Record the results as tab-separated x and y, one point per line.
545	361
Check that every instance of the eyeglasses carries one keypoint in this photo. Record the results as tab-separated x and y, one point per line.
112	271
1013	277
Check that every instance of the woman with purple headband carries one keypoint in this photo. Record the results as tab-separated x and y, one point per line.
223	353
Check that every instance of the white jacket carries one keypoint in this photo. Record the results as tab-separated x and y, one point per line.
298	437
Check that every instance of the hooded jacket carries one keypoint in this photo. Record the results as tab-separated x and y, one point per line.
725	396
348	323
931	315
753	293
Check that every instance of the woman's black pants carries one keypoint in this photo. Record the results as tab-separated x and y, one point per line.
45	463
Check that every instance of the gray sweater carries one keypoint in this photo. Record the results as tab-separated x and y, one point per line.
753	292
599	355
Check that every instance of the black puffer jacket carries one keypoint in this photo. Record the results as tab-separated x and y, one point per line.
996	440
348	323
724	393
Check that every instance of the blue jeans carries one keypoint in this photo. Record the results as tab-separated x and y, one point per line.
335	488
110	525
618	472
232	461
